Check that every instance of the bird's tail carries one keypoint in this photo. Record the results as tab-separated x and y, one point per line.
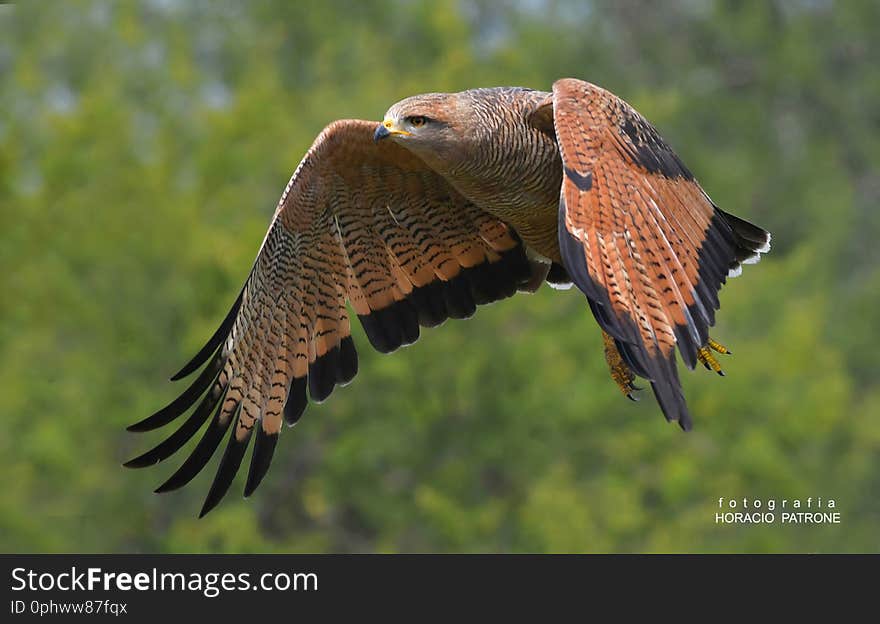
750	242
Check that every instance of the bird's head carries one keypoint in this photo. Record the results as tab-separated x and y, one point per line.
428	125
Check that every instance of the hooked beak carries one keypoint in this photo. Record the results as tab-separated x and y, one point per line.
386	129
381	133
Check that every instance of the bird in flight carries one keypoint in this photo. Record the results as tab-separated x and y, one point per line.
453	201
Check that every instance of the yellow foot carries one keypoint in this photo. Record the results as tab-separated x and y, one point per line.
620	372
705	356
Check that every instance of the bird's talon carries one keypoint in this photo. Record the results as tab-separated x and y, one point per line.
706	356
717	346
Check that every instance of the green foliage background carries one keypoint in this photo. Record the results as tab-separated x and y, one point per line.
143	147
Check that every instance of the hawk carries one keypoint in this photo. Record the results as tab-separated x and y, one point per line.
457	200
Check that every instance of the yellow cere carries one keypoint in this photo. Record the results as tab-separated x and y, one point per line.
389	123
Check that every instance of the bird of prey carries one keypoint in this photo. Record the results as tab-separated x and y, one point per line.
453	201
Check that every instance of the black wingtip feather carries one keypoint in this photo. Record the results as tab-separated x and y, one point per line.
741	240
667	389
213	342
483	283
516	264
672	404
296	401
381	330
687	345
493	281
180	437
183	402
261	459
348	361
226	471
392	327
430	304
457	296
408	318
322	375
201	454
751	235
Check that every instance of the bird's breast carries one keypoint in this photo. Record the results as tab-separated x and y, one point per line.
516	176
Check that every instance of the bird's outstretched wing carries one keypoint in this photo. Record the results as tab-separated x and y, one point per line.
639	236
359	222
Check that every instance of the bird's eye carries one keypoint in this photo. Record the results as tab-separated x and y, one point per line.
418	121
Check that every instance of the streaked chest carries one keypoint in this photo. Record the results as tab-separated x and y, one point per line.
516	177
